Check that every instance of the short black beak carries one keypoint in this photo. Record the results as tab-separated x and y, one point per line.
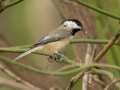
74	31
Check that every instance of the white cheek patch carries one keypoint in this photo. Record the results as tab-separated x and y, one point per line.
71	25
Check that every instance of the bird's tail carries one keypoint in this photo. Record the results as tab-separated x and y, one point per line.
28	52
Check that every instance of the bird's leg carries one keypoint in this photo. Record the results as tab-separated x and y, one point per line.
57	57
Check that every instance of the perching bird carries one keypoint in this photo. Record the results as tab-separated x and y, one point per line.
56	40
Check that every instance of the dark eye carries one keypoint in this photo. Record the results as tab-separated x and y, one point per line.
65	25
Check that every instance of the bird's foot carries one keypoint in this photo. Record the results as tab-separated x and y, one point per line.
57	57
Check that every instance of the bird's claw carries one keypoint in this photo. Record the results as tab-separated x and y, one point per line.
57	57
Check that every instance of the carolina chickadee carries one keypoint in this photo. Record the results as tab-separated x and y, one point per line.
57	40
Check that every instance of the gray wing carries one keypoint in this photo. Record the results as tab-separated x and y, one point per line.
52	38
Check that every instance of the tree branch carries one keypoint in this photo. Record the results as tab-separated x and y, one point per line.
14	84
101	11
18	80
88	60
3	8
91	41
111	84
82	67
74	80
107	47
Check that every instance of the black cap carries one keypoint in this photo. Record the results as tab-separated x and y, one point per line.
74	20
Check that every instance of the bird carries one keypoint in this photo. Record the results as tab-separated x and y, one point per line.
55	41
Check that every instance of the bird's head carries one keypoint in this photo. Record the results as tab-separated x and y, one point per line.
73	25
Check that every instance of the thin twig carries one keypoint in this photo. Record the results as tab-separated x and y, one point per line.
29	68
102	72
101	11
14	84
88	60
8	72
68	67
10	5
107	47
82	67
74	80
17	81
20	49
111	84
91	41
